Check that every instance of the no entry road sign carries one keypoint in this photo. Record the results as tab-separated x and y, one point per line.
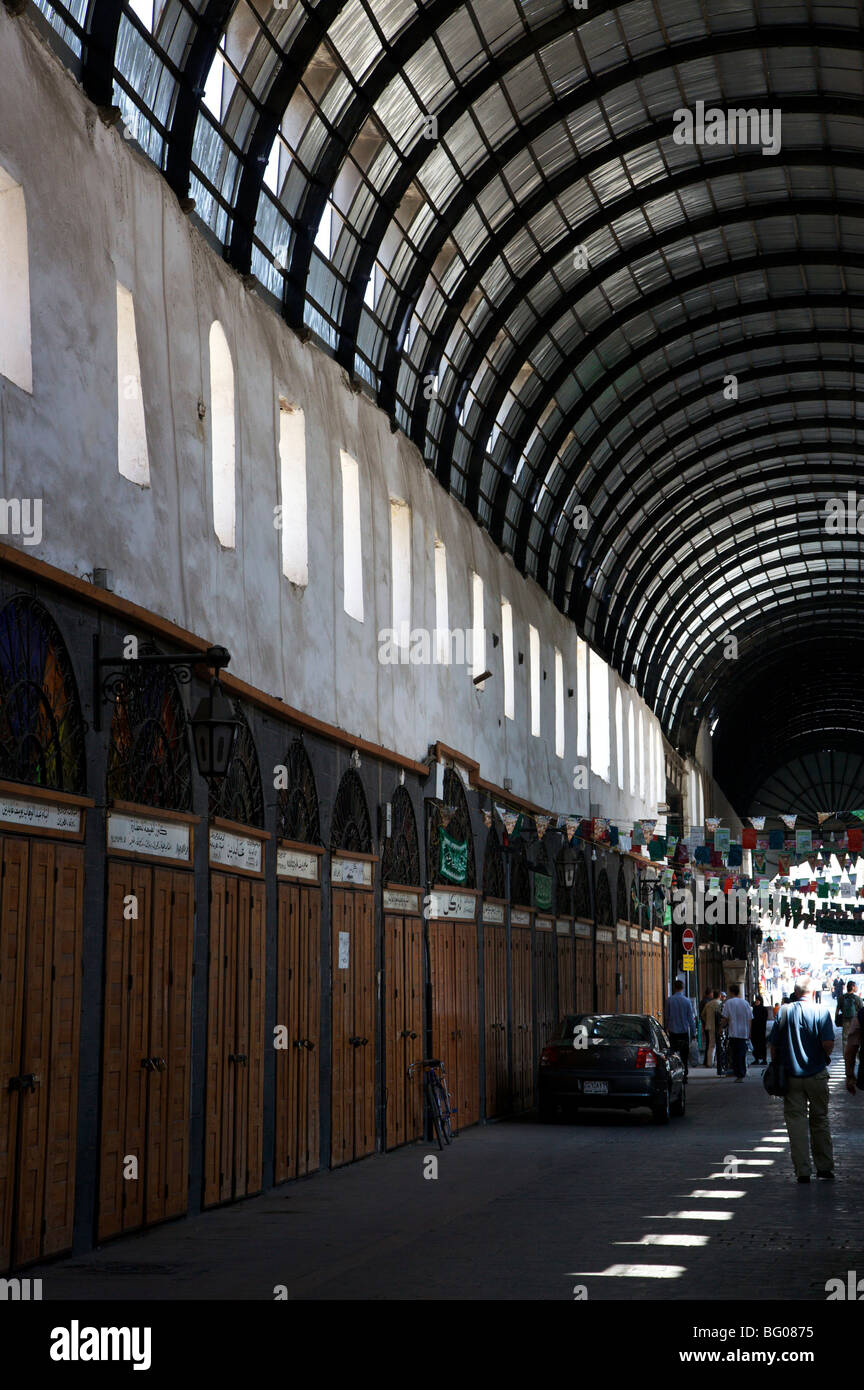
688	940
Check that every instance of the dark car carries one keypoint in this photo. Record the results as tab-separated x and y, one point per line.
613	1061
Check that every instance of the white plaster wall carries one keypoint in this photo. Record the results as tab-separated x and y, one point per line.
99	212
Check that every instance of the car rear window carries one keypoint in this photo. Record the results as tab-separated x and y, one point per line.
611	1027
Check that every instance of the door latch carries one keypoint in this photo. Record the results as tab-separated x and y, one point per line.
27	1081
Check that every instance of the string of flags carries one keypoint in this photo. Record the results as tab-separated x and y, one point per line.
710	850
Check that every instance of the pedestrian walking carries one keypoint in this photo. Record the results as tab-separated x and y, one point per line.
803	1039
854	1047
847	1009
680	1022
722	1038
709	1024
758	1030
740	1016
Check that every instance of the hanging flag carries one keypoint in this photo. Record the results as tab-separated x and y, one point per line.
803	841
859	814
453	862
783	865
648	828
759	861
822	816
570	825
542	824
712	822
543	892
722	838
757	822
789	820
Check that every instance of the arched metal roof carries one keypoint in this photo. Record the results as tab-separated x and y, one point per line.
480	210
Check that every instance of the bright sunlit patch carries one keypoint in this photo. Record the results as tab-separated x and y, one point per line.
738	1176
755	1162
694	1216
714	1195
632	1272
681	1239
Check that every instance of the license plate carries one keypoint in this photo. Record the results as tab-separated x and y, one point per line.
596	1088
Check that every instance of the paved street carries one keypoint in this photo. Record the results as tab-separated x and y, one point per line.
526	1211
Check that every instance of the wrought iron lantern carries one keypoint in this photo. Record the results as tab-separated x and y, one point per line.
215	727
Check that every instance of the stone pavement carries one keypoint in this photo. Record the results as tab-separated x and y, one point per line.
519	1210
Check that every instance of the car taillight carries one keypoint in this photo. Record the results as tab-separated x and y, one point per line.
645	1057
548	1056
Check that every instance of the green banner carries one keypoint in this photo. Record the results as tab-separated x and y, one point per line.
543	892
453	860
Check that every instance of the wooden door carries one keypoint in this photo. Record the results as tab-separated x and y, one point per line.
606	1002
566	974
495	981
147	1047
467	1091
584	1002
353	1026
442	971
403	1027
298	1010
234	1092
624	968
545	975
41	903
523	1059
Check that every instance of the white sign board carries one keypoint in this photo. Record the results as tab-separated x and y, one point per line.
293	863
462	906
401	901
494	913
582	928
140	835
344	949
621	933
352	871
562	926
603	935
41	815
235	851
520	919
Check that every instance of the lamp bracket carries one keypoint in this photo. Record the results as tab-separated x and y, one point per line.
107	687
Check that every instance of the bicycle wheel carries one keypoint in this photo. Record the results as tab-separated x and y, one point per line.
442	1105
435	1113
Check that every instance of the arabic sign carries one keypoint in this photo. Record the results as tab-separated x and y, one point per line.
293	863
562	926
520	919
603	935
582	928
42	815
401	901
140	835
357	871
493	912
235	851
543	923
462	906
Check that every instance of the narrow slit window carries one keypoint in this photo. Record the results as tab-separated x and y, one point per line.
581	699
352	544
631	745
222	436
400	570
507	659
534	654
16	362
292	486
600	752
442	606
559	704
478	632
619	738
132	457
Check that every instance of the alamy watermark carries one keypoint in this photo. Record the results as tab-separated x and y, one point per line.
736	126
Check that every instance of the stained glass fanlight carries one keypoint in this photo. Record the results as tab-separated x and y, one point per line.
41	726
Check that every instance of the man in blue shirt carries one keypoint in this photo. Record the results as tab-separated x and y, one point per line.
680	1022
803	1039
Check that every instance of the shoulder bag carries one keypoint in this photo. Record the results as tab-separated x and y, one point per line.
775	1077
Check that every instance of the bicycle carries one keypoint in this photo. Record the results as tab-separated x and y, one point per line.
437	1097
